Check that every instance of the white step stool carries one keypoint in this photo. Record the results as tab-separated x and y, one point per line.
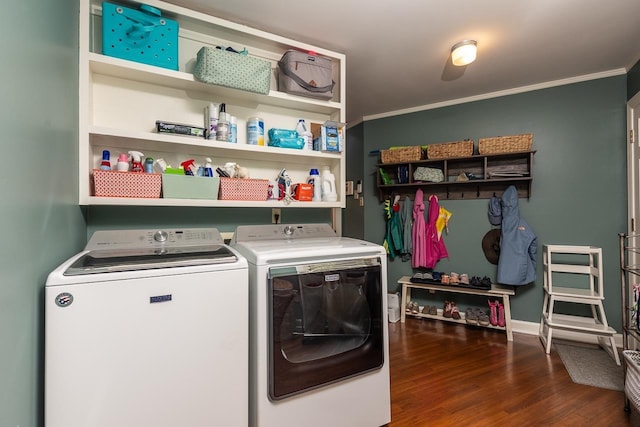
578	273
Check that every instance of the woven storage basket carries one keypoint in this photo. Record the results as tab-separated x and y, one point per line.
632	380
127	184
402	154
450	149
505	144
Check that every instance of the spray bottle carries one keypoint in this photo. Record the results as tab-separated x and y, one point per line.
208	171
136	161
148	165
189	167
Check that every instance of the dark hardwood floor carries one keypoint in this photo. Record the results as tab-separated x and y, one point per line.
446	374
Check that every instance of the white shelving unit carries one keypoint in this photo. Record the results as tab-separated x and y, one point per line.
121	100
573	274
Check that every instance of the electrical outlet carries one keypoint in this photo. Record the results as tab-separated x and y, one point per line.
349	188
276	216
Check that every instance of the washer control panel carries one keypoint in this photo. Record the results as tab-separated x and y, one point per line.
129	239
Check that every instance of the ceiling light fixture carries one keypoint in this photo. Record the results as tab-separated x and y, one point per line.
464	53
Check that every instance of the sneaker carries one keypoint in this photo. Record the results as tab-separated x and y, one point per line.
483	319
464	279
470	316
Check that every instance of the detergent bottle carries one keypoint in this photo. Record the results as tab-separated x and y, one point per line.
314	179
105	165
136	161
303	132
328	181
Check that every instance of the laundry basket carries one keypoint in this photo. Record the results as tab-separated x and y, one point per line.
632	380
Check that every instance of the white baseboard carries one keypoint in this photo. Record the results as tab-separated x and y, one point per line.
533	328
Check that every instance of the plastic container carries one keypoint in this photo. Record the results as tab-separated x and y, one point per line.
329	193
211	119
305	133
123	163
255	131
314	179
233	129
105	164
222	131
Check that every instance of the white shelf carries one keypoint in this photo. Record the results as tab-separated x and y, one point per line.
143	73
120	100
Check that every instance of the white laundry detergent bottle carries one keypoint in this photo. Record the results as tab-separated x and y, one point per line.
328	181
314	179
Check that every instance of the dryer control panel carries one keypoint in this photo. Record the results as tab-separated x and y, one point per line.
253	233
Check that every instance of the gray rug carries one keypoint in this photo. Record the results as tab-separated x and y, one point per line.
591	365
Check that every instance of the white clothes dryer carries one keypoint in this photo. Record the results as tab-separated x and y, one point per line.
318	327
148	328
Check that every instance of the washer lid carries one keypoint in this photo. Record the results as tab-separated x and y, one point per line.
115	260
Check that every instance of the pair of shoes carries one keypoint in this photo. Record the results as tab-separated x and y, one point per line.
485	283
412	307
437	276
446	311
454	311
454	278
497	314
425	309
464	279
431	310
470	316
445	279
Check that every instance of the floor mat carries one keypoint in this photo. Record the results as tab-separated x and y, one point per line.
591	365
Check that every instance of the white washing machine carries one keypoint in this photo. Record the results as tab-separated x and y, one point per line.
148	328
318	327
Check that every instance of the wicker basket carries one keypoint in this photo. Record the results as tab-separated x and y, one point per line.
632	380
450	149
505	144
401	154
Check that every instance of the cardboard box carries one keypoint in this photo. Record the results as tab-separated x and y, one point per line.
328	137
189	187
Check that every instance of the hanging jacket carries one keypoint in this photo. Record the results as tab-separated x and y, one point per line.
394	232
418	235
406	219
435	248
518	244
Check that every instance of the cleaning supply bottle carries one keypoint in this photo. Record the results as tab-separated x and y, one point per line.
303	132
136	161
329	193
233	129
211	119
123	163
208	170
189	167
314	179
222	131
105	165
148	165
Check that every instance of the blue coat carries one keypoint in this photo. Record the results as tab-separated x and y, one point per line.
518	244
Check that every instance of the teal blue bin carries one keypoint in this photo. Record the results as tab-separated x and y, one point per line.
142	35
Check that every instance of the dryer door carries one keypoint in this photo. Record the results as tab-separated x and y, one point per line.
325	324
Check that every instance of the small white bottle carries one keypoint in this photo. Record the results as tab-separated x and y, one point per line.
222	132
211	119
303	132
329	193
233	129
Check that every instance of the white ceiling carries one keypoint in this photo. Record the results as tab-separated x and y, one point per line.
398	52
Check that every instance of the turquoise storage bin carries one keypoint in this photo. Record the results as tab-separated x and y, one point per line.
189	187
139	35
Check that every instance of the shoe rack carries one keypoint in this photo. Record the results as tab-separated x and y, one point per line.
498	292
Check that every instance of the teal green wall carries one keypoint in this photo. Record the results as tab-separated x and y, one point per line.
579	185
352	225
224	219
42	224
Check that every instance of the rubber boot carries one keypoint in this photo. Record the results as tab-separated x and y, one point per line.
501	321
493	314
